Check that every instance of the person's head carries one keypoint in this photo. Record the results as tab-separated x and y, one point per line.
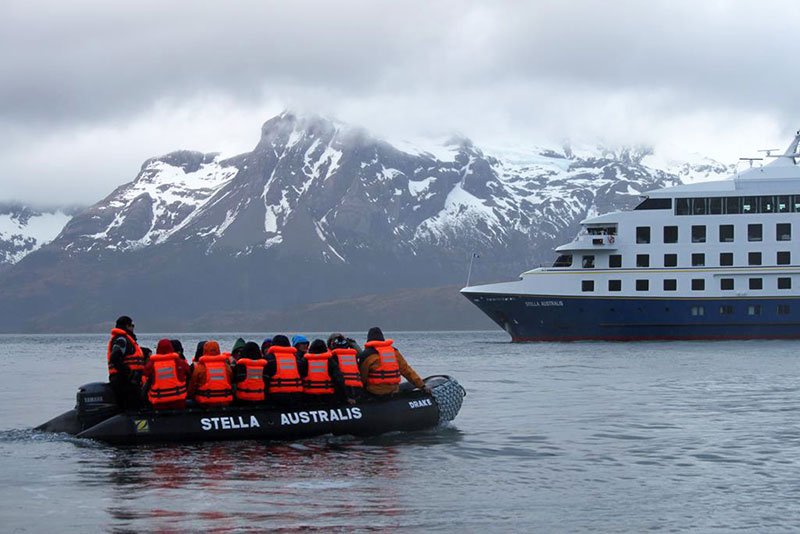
125	323
280	341
300	342
165	347
340	342
375	334
334	338
237	347
199	350
251	350
211	348
318	347
265	345
177	346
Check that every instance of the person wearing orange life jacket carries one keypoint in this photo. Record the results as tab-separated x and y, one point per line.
381	366
284	373
347	378
166	374
248	374
318	385
125	363
212	379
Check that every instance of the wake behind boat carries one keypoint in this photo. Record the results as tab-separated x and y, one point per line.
97	415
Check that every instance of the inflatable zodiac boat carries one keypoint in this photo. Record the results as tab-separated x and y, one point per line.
97	416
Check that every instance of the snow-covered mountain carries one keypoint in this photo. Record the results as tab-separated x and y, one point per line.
23	230
321	211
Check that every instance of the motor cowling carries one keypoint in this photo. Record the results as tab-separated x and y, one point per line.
95	402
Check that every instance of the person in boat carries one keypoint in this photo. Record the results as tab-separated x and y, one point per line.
381	366
284	373
166	374
248	375
125	363
318	385
338	336
347	379
300	342
212	379
265	345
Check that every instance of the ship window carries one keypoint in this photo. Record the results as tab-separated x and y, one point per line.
642	234
615	285
750	205
726	309
755	309
783	232
784	257
670	284
784	204
725	259
725	233
588	262
754	232
726	284
733	205
767	204
699	206
683	206
670	260
698	284
715	206
642	285
565	260
753	258
784	283
756	283
655	204
587	285
784	309
670	234
615	260
643	260
698	234
698	260
698	311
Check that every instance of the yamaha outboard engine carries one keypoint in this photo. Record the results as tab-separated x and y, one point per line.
96	402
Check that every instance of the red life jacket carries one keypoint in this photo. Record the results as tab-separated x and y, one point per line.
217	388
388	372
252	387
349	367
318	381
135	361
287	377
166	387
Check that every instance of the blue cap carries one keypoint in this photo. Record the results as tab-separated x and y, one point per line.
299	339
267	340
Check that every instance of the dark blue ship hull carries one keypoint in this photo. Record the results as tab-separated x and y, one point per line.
557	318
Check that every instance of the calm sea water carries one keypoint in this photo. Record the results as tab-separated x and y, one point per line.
579	437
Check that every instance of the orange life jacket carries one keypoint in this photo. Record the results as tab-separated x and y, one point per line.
135	361
166	387
349	367
287	377
252	387
388	372
217	388
318	381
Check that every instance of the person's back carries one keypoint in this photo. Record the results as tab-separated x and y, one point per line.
381	366
248	374
285	372
166	373
318	383
347	379
125	361
212	379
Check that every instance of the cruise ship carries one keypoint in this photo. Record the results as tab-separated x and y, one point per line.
713	260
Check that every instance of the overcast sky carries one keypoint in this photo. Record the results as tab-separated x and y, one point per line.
89	90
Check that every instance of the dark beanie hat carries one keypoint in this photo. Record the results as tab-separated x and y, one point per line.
177	345
124	321
280	341
375	334
164	347
251	350
318	347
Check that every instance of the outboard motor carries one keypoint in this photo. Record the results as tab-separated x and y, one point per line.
96	402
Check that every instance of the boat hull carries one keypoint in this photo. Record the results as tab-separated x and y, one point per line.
558	318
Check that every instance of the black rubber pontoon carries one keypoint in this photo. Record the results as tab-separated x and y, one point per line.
96	416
